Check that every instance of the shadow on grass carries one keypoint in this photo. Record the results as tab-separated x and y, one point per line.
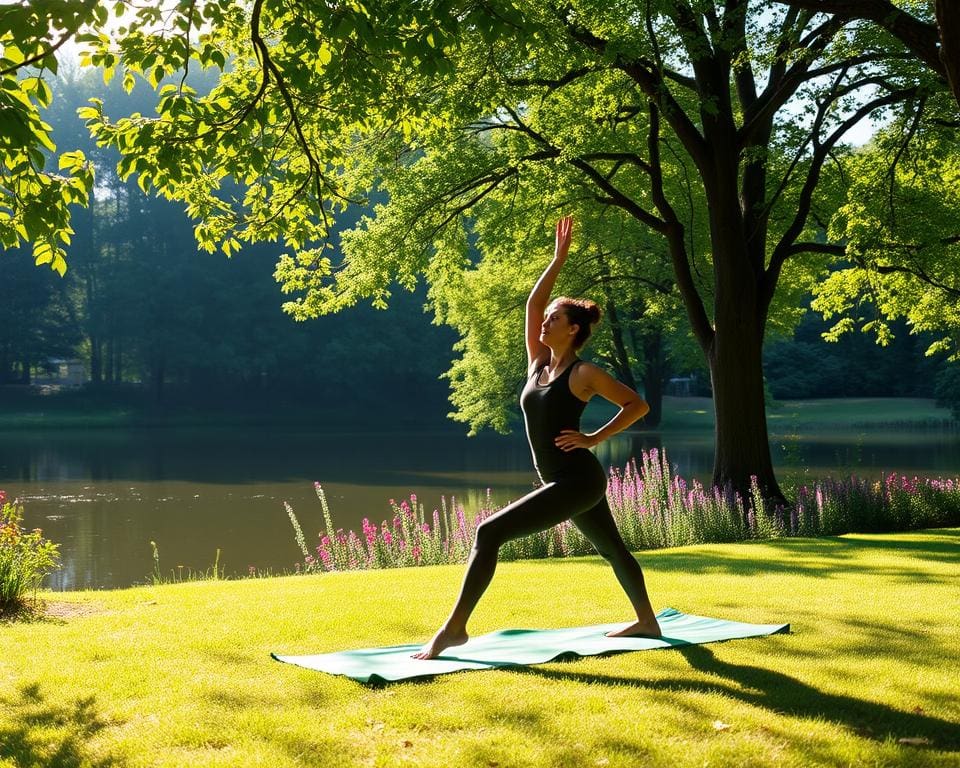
48	733
780	693
820	557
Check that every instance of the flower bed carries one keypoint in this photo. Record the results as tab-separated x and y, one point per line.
653	508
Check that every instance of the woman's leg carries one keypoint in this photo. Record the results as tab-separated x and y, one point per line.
598	526
541	509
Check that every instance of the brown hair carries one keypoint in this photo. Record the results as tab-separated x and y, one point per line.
580	312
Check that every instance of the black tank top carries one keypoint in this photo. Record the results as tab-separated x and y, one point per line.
547	410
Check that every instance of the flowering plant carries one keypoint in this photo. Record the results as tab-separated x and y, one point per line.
653	508
25	556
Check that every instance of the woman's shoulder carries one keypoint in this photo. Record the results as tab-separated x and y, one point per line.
586	369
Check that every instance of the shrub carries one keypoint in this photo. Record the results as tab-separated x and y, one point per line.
25	556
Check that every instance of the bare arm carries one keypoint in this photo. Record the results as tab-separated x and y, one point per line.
540	295
588	380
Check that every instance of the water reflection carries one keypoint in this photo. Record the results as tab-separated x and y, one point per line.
104	495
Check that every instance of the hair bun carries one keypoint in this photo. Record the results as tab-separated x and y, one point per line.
582	312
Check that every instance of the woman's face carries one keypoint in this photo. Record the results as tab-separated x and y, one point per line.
556	327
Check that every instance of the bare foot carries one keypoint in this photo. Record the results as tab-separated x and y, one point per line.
648	628
441	641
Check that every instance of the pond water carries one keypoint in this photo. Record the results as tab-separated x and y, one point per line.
104	495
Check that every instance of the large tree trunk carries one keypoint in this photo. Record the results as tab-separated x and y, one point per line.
948	20
736	366
735	354
742	444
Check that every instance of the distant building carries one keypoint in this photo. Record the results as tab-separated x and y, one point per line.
680	386
61	373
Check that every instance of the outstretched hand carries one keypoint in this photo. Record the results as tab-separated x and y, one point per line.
564	231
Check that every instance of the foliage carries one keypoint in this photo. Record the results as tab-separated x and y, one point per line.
653	509
901	226
35	201
38	318
853	366
141	306
25	556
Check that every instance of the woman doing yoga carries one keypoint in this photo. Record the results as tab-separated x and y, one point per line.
574	483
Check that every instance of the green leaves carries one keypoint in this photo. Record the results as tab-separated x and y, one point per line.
34	203
901	226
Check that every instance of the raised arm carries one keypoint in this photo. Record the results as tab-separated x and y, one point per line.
540	295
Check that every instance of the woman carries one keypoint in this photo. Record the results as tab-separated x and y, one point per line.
574	484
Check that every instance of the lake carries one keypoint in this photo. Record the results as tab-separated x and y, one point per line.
104	495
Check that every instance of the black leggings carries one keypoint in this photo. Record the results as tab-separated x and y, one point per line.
549	505
577	495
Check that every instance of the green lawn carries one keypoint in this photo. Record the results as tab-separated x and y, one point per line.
180	675
787	416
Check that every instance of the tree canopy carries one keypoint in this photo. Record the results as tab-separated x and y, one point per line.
719	127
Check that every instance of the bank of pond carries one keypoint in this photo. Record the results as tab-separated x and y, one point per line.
103	495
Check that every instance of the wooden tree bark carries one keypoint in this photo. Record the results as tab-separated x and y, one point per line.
948	21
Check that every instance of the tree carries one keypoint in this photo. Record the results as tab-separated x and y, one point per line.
37	319
323	102
293	127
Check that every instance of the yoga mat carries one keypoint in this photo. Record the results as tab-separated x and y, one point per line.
521	647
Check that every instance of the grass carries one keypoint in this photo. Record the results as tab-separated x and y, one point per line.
180	674
785	416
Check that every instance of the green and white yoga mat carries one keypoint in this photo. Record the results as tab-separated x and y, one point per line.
521	647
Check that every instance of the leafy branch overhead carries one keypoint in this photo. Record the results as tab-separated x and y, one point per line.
35	200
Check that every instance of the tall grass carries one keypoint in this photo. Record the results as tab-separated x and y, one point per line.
653	508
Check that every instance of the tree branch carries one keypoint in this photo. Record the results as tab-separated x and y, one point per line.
920	37
653	85
886	269
623	157
829	249
822	150
552	84
692	300
759	117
